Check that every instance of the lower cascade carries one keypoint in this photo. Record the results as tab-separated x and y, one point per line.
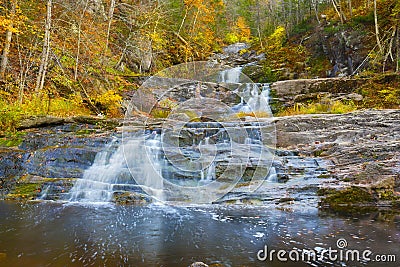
99	181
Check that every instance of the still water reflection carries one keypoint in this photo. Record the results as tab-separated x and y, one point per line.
56	234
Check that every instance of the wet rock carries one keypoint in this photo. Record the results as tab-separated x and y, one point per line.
347	198
235	48
131	198
65	162
51	152
46	121
294	91
98	121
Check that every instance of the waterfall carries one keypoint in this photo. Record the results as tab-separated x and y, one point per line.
256	102
211	172
230	75
272	175
146	166
110	170
206	141
97	182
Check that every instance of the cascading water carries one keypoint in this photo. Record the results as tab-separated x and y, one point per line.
251	98
256	102
143	158
109	172
230	75
97	182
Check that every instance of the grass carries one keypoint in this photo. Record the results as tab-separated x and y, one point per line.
256	114
326	106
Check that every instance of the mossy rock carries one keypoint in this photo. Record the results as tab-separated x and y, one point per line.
348	197
24	191
40	121
12	139
10	142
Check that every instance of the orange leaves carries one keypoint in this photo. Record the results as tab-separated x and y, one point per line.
243	28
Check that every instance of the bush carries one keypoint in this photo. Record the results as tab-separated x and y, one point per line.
231	38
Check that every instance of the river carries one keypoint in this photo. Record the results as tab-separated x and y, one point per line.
56	234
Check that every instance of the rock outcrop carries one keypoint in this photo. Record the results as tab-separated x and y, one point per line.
364	145
57	152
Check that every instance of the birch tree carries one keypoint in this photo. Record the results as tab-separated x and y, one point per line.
44	61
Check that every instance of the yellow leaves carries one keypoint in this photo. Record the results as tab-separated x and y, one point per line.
198	32
276	39
158	42
231	38
240	32
111	101
13	20
110	97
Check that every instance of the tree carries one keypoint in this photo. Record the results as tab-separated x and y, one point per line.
11	23
378	41
46	49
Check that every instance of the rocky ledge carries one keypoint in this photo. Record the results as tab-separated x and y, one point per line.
364	147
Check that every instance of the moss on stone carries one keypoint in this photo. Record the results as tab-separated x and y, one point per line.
24	191
12	139
347	197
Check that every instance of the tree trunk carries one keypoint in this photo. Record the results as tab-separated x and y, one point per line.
316	11
378	41
44	61
350	9
335	5
7	42
110	18
259	25
78	48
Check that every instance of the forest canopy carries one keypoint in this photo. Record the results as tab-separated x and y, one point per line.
65	57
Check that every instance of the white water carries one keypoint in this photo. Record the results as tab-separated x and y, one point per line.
256	102
230	75
211	172
207	174
251	98
145	162
97	182
107	171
